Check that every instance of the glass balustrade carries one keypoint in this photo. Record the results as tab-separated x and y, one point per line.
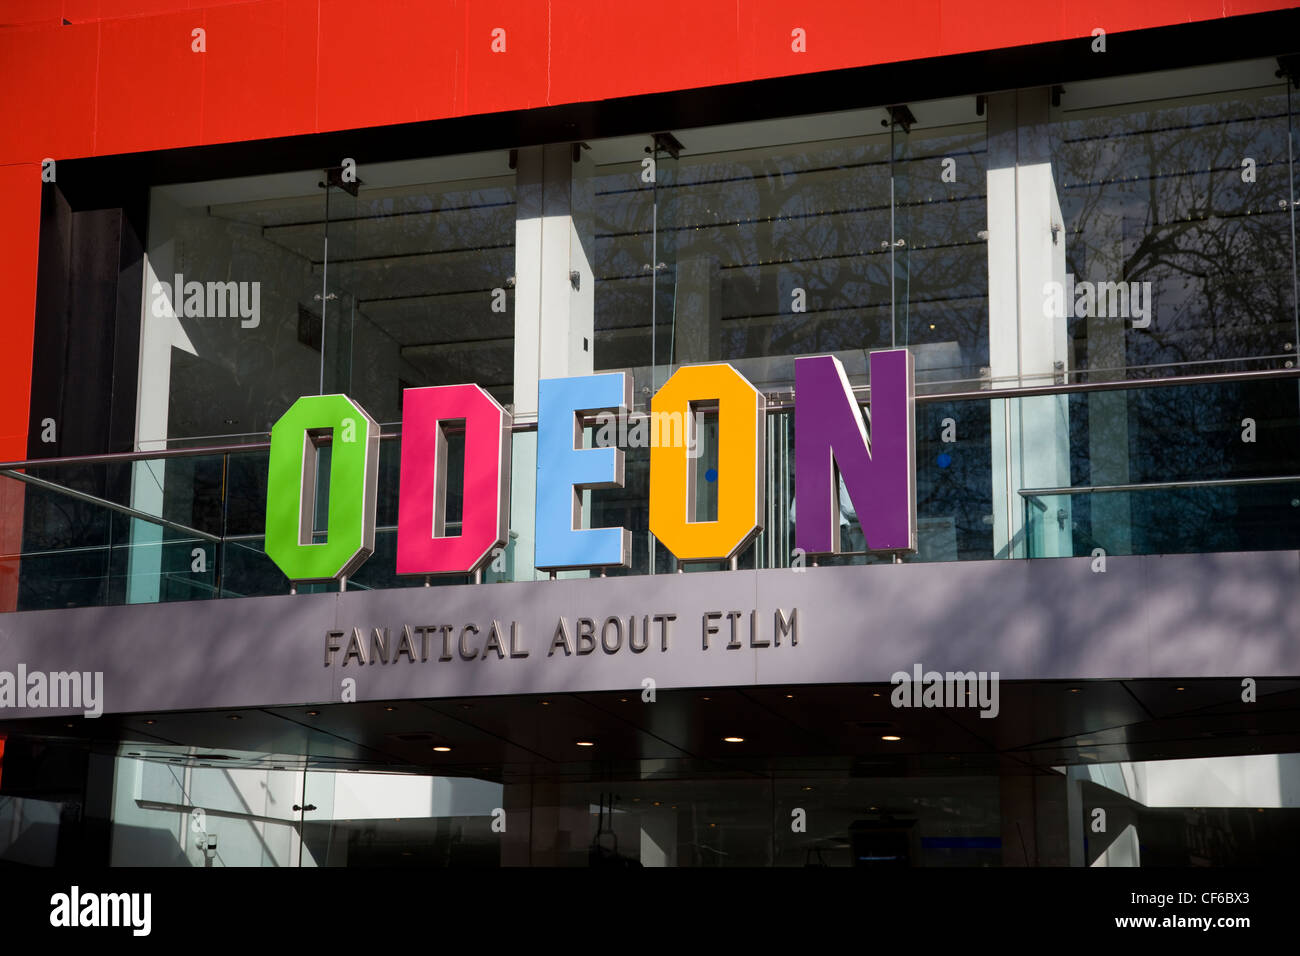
1206	465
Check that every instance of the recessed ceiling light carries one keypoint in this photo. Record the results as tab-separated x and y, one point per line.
442	749
390	709
705	698
657	803
313	713
1179	688
546	703
1074	690
789	696
891	737
875	695
807	788
151	721
734	740
233	717
585	743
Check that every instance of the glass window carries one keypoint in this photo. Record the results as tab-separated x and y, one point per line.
1177	186
752	244
264	289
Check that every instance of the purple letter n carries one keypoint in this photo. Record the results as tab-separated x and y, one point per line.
879	474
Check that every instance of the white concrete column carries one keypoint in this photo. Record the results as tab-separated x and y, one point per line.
555	301
1027	346
554	283
160	332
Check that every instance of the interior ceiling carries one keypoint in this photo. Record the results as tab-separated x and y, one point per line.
418	261
829	729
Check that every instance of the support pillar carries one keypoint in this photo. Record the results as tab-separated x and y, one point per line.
554	307
1027	344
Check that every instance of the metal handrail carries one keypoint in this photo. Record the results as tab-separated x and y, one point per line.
1160	485
110	457
776	403
1121	385
111	505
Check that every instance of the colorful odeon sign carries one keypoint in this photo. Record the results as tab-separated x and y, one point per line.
831	442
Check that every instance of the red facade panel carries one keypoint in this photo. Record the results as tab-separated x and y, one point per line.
391	61
150	84
273	41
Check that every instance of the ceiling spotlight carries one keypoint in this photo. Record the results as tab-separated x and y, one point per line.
585	743
789	696
734	740
442	749
390	709
891	737
1074	690
313	713
151	721
233	717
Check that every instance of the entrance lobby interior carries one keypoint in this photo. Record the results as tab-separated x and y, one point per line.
1098	773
